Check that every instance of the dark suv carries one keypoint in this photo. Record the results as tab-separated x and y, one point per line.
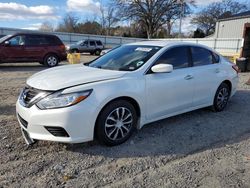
90	46
31	47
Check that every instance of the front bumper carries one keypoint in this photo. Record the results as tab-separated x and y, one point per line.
78	121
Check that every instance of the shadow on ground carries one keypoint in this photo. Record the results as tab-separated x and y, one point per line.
183	134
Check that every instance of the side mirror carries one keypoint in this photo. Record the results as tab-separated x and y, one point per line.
162	68
7	43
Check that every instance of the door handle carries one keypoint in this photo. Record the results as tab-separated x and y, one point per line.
188	77
217	70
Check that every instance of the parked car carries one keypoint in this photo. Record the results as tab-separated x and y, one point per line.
1	36
26	47
89	46
128	87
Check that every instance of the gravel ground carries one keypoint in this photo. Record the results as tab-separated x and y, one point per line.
195	149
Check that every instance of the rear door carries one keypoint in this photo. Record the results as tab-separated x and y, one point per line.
35	46
207	74
92	46
170	93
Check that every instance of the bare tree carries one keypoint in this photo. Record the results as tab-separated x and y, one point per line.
111	18
206	19
102	19
152	13
180	9
108	17
68	24
46	26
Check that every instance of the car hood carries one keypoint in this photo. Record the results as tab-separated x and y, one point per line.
70	75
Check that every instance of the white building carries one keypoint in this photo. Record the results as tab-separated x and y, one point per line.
236	26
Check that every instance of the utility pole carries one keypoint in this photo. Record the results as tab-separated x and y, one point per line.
181	16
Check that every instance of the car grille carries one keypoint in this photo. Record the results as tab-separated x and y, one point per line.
22	121
31	95
57	131
28	94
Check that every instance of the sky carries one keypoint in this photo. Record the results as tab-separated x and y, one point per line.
30	14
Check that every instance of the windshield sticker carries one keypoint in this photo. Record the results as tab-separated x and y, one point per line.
139	63
143	49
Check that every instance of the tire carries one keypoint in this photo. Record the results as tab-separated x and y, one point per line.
116	123
51	60
221	98
97	52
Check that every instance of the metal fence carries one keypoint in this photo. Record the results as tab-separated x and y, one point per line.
222	45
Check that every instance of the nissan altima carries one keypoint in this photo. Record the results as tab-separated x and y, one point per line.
123	90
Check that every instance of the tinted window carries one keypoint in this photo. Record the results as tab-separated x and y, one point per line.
35	40
53	40
99	43
216	58
201	56
178	57
92	43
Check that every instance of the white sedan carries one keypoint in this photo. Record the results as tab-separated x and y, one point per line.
128	87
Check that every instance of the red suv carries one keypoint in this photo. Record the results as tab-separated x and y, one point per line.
31	47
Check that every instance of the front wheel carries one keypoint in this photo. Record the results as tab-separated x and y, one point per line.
51	60
116	123
221	98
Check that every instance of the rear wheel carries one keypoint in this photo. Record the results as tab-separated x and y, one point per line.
51	60
116	123
221	97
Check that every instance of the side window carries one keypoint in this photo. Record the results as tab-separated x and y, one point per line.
17	41
201	56
99	43
178	57
216	58
92	43
36	40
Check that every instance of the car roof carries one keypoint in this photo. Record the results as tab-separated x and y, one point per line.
44	34
165	43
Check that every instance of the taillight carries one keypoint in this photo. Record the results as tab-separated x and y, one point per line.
236	68
62	47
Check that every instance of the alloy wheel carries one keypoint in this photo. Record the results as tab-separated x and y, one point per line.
118	124
222	98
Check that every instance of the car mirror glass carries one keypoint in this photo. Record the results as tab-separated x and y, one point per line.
7	43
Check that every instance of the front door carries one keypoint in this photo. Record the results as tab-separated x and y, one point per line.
170	93
15	50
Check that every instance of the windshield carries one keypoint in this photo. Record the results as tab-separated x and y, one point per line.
125	58
79	42
4	38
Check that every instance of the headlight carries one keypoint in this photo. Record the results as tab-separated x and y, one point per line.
59	100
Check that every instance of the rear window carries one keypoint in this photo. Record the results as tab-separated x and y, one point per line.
216	58
201	56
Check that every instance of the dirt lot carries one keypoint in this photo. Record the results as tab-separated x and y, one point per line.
196	149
